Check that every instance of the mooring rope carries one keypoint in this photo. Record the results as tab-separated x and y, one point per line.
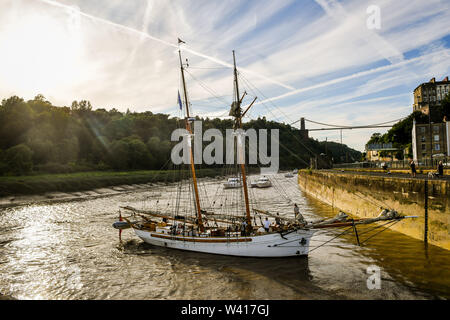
393	223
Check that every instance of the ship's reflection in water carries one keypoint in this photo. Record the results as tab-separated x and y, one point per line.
70	251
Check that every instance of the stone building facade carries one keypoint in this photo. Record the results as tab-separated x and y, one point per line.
423	147
430	94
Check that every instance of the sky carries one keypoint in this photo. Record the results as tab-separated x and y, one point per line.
330	61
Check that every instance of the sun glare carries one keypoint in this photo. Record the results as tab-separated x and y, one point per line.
39	53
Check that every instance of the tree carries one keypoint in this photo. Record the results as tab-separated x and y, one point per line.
16	118
401	133
118	159
87	138
19	159
67	150
375	138
129	153
43	150
3	164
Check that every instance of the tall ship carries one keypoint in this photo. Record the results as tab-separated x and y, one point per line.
239	229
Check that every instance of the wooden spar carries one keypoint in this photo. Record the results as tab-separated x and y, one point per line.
247	206
156	214
188	128
335	225
243	96
242	165
353	223
338	224
251	104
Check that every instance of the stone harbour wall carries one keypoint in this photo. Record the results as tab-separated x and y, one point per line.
364	195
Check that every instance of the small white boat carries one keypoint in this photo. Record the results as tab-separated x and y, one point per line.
289	175
233	183
262	182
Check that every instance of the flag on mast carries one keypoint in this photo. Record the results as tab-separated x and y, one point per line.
179	101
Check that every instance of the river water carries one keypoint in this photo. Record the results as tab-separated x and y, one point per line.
69	250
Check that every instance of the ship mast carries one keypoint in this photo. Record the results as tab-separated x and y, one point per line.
238	124
188	128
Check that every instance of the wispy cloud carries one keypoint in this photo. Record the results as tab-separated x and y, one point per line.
336	11
312	58
443	54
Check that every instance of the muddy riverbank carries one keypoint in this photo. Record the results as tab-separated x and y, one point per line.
11	186
60	197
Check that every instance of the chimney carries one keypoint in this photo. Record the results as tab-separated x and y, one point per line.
445	79
433	80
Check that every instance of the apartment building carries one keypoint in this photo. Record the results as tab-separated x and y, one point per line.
430	140
430	94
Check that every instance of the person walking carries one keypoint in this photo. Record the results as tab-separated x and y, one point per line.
413	168
440	169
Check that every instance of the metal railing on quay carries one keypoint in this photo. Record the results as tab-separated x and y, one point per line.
425	163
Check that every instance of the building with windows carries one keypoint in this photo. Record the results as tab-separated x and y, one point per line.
381	152
430	140
430	94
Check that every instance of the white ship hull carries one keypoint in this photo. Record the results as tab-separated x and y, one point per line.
263	184
232	185
264	246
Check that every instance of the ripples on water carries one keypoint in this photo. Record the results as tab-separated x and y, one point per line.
71	251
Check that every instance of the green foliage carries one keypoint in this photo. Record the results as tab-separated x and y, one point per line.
36	135
340	153
3	165
376	138
16	118
400	135
129	153
401	132
19	159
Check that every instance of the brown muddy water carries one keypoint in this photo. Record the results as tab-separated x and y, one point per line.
69	250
